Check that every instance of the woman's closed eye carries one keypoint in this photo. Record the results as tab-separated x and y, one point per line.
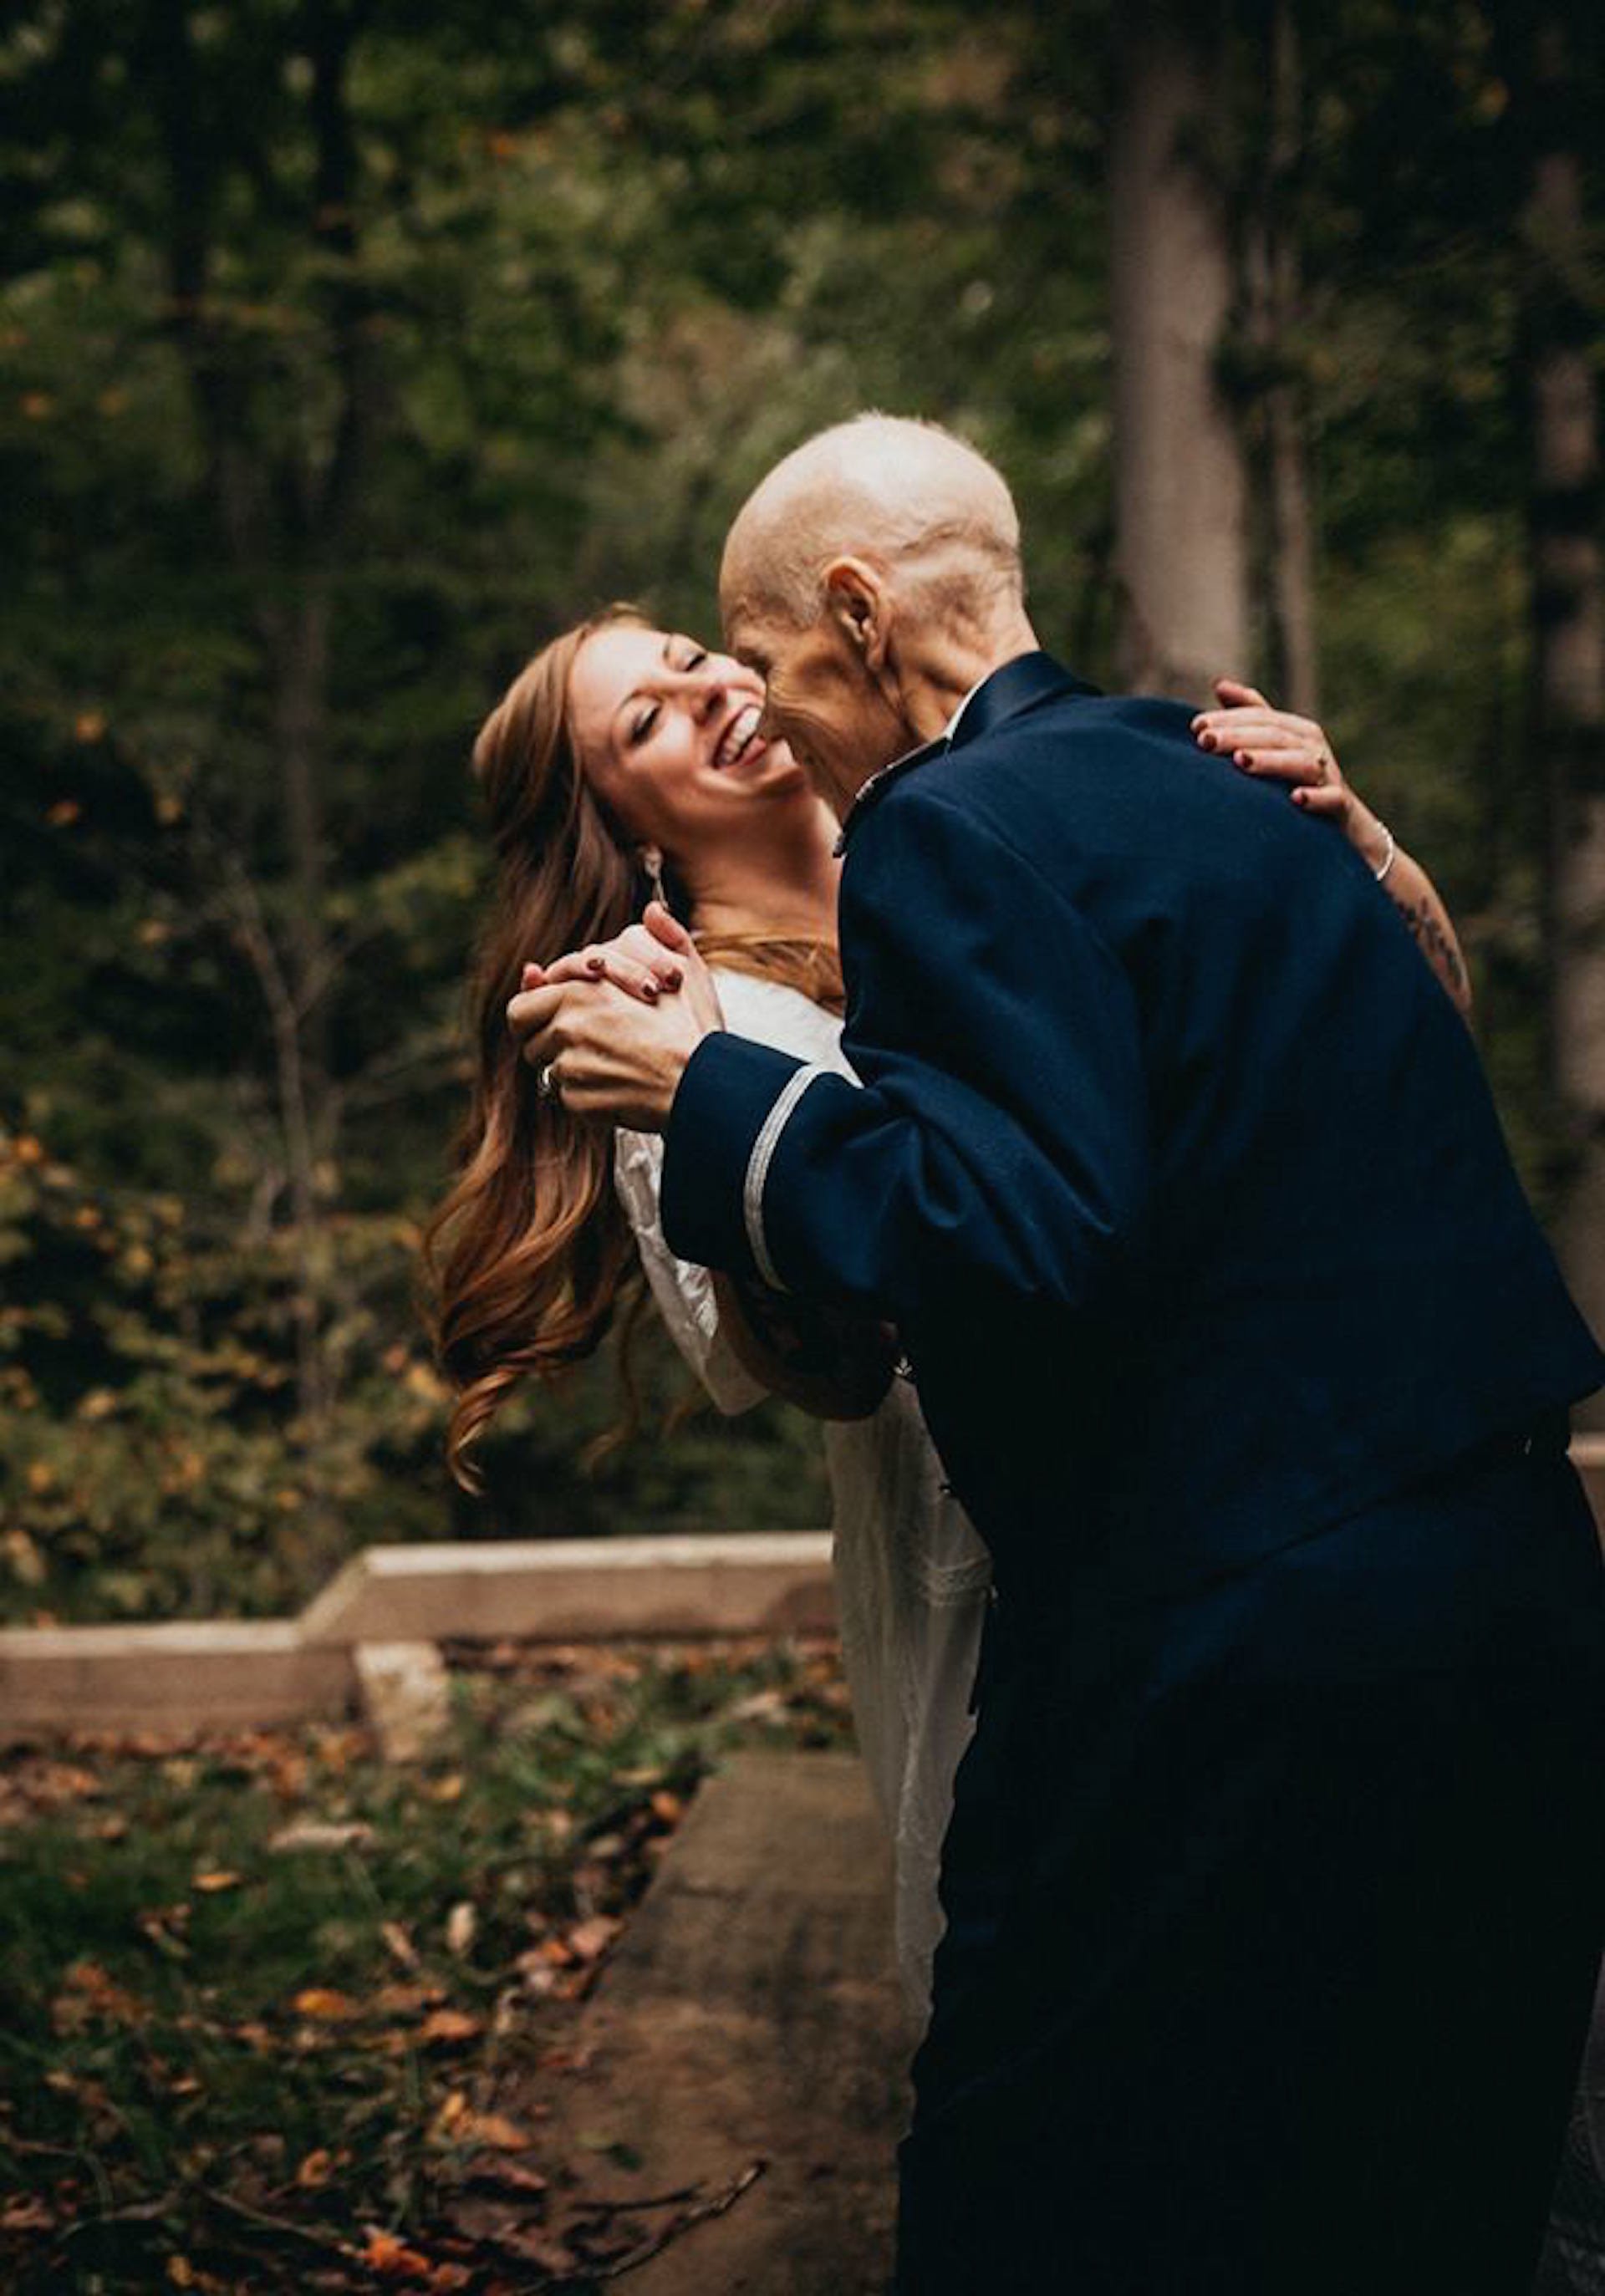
644	724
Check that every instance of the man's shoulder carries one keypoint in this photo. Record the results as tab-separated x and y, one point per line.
1102	739
1086	720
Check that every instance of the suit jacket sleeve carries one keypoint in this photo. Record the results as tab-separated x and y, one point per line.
1001	1133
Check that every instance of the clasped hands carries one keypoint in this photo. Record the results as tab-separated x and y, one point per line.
609	1029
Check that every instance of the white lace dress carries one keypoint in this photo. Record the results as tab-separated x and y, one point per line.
911	1573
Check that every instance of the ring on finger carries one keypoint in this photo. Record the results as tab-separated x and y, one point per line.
547	1082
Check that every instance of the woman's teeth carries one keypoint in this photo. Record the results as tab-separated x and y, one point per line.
738	737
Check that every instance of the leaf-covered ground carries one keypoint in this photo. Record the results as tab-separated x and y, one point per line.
274	2015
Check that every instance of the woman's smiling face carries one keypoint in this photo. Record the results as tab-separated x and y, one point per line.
667	735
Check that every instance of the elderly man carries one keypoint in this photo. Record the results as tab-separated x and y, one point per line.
1273	1887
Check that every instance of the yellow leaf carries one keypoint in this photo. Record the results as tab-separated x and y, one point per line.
210	1884
450	2025
495	2131
324	2005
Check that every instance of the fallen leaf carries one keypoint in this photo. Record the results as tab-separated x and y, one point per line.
26	2213
90	1996
399	1944
215	1880
395	2000
313	1833
668	1807
588	1940
316	2169
322	2004
462	1923
393	2259
450	2025
494	2130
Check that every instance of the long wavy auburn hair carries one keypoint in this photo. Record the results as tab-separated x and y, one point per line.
529	1256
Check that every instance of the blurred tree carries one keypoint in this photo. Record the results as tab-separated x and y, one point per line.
1557	99
1179	480
1273	384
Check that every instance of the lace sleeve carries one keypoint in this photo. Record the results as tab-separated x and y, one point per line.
683	1291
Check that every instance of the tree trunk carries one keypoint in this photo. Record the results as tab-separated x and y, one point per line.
300	670
1568	635
1180	487
282	506
1291	570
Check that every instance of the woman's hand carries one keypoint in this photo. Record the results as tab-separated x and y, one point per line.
1277	745
655	958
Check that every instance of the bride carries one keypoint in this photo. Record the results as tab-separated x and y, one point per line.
626	762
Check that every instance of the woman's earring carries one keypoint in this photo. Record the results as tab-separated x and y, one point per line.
652	861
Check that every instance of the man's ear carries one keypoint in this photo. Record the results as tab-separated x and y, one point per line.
858	601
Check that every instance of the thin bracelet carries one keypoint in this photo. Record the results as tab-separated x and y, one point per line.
1389	858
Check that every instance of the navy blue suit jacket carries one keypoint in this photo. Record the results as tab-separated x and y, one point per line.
1172	1162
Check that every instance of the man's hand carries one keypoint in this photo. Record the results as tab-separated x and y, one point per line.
608	1032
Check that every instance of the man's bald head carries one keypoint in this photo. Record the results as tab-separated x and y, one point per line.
906	497
873	580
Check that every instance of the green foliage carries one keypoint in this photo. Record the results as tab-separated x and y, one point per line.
157	1462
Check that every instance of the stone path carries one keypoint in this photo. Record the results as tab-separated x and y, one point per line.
753	2013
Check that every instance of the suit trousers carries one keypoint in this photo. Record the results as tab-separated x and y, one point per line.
1269	1955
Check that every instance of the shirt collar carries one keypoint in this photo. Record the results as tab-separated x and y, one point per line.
951	727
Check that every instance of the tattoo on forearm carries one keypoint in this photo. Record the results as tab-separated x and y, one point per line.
1433	941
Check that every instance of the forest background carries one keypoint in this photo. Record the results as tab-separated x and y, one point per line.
350	348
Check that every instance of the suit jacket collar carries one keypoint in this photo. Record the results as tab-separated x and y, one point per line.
1018	685
1023	684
